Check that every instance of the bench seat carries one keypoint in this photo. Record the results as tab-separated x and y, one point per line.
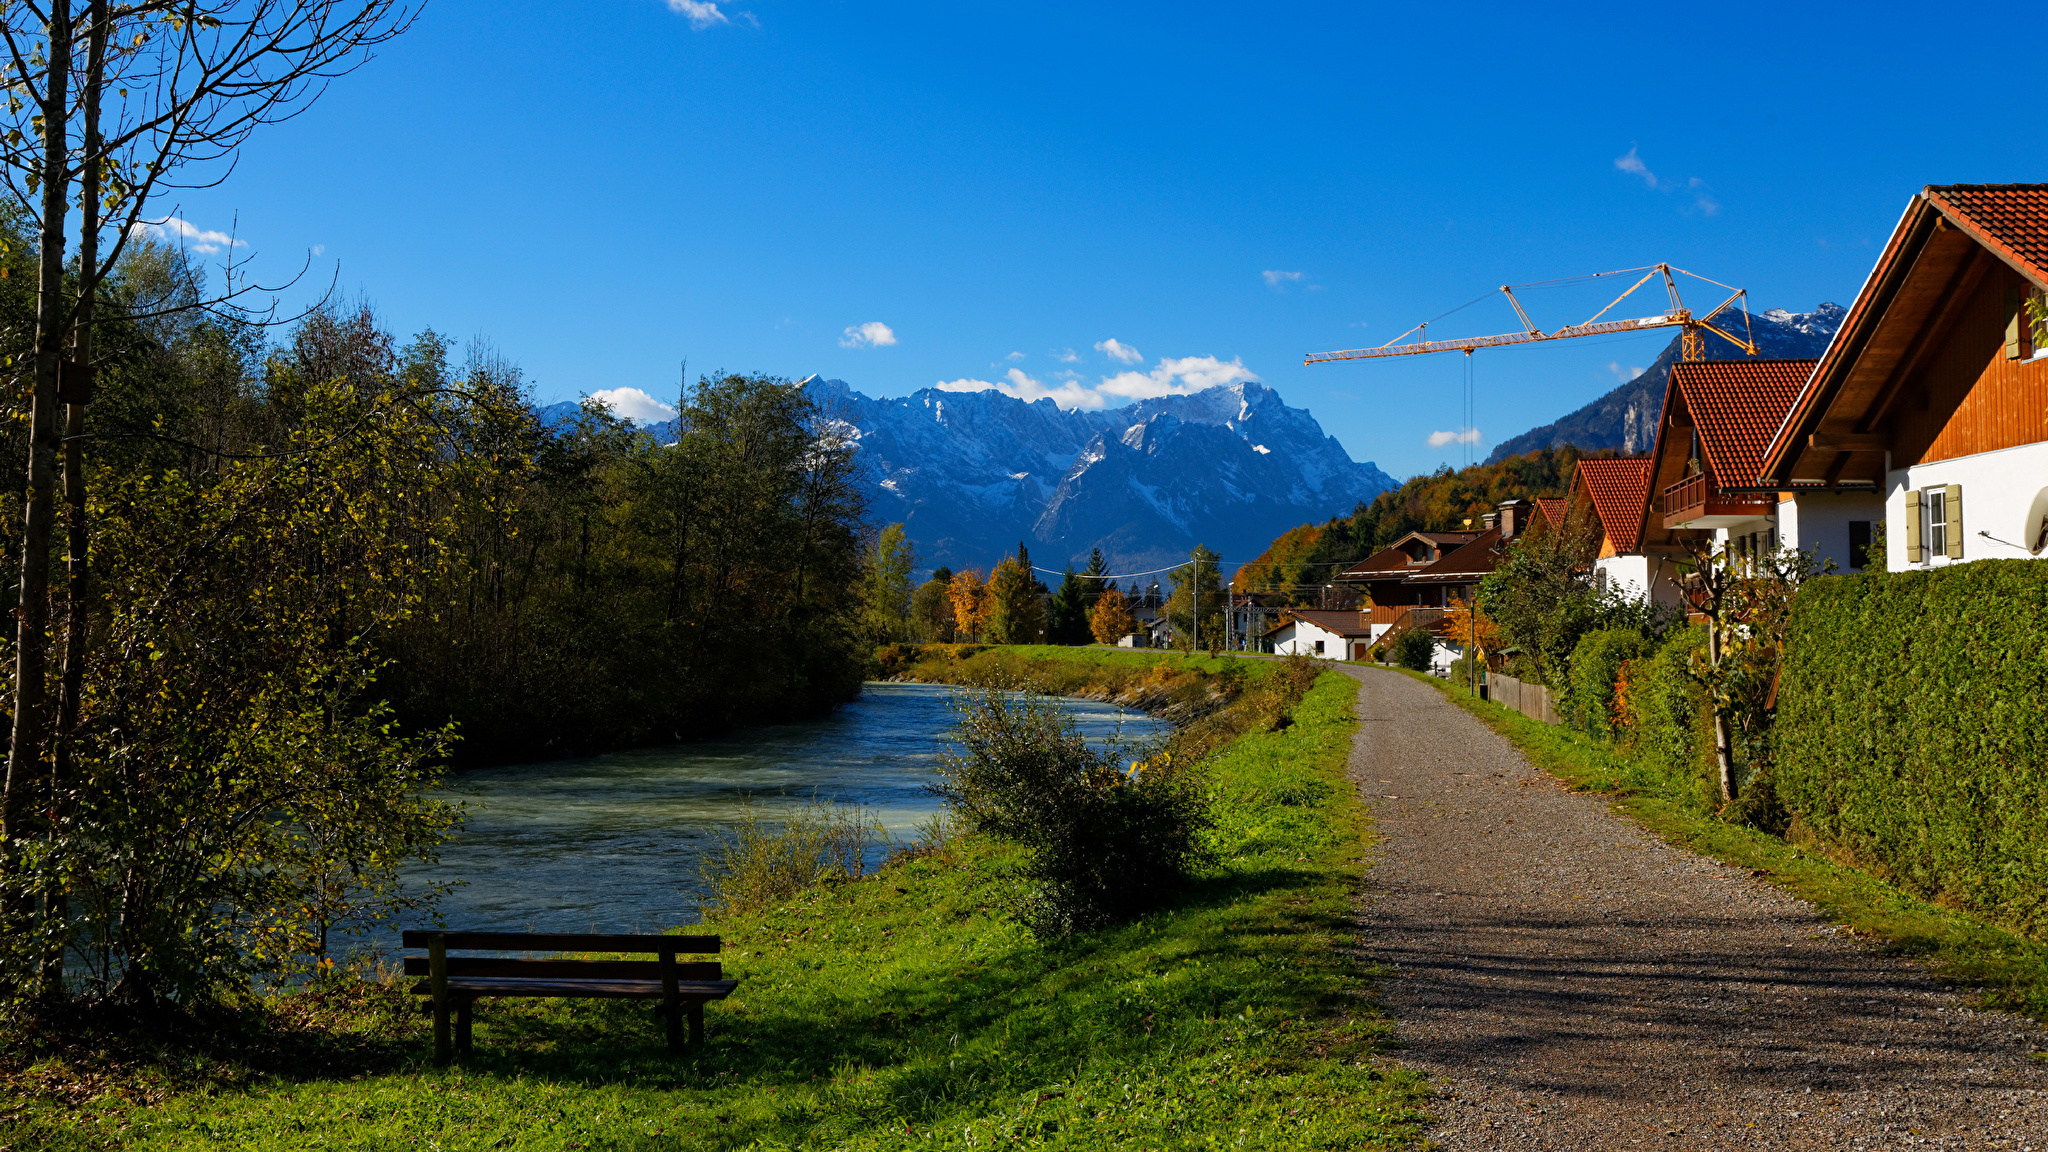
478	987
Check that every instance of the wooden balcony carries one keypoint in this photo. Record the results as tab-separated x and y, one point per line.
1694	502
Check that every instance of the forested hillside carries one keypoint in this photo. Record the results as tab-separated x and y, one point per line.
1441	501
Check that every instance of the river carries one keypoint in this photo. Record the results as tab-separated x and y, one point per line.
612	843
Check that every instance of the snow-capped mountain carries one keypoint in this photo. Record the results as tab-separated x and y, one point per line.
1626	418
973	474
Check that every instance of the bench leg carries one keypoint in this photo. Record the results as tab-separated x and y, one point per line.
442	1048
696	1023
672	1026
462	1023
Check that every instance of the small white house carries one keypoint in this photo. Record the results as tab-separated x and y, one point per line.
1329	635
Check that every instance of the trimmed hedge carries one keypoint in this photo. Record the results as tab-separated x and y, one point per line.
1912	730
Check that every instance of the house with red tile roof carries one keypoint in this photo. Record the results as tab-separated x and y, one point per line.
1433	570
1706	478
1608	497
1930	400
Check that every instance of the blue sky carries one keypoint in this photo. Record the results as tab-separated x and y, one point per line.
602	190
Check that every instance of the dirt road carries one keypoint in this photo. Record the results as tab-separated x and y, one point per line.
1576	984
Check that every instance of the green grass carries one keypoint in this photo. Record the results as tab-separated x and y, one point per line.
907	1011
2000	969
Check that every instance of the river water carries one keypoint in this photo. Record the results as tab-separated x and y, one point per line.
612	843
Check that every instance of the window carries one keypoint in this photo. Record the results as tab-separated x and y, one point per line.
1859	543
1937	522
1319	647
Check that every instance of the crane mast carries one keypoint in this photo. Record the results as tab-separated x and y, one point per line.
1692	341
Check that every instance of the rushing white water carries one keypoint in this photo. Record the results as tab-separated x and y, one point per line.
612	843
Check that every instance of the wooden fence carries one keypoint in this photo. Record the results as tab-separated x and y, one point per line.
1531	700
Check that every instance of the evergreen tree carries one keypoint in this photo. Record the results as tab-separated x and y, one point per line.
1070	610
1093	584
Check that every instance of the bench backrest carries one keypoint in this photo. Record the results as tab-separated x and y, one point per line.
667	947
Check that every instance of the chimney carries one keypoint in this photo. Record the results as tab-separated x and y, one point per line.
1514	516
1485	522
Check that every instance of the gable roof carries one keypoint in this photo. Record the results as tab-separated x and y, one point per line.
1931	259
1737	406
1392	562
2009	219
1552	509
1466	564
1619	490
1346	624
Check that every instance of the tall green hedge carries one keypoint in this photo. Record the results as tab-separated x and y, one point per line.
1912	729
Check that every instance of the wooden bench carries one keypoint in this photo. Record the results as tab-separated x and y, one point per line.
456	982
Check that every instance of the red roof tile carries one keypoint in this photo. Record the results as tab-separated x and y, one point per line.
1737	405
2009	219
1553	509
1620	490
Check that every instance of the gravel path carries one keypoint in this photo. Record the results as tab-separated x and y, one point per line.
1575	983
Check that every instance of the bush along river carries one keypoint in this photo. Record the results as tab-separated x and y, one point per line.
613	843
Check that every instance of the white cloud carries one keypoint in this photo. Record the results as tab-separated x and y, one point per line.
1070	394
873	334
1120	352
1634	166
1623	374
1468	436
1171	377
1066	356
1014	356
1700	197
1278	280
195	238
635	405
701	14
319	249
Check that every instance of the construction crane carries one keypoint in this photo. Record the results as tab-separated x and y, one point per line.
1692	343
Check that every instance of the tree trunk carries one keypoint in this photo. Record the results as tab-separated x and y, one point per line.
71	684
1724	752
32	615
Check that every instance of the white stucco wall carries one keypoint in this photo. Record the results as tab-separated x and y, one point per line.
1299	637
1820	521
1636	575
2005	493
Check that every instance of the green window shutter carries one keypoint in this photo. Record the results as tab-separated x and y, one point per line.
1913	549
1954	506
2014	322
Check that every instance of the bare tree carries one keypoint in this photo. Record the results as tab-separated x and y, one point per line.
109	107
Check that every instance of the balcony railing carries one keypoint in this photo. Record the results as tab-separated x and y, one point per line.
1695	502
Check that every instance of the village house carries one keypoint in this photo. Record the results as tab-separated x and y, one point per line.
1433	570
1931	398
1609	496
1707	486
1328	634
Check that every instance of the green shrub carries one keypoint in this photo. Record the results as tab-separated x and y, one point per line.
1415	649
1105	842
1587	702
766	860
1665	709
1909	730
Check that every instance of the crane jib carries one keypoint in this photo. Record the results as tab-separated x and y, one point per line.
1471	342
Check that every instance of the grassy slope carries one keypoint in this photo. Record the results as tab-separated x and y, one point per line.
900	1012
2006	971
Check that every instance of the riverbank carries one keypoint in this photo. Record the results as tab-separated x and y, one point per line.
905	1010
